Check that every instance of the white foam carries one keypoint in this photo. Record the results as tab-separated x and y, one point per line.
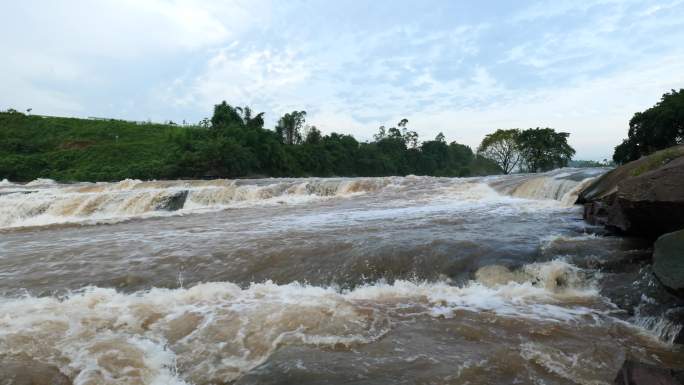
219	331
41	182
86	203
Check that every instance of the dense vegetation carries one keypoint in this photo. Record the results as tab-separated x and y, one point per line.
658	127
233	143
531	150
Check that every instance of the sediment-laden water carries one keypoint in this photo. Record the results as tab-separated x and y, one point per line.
313	281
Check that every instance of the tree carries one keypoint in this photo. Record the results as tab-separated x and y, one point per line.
312	135
249	121
654	129
225	115
410	137
543	149
381	134
394	133
501	146
289	127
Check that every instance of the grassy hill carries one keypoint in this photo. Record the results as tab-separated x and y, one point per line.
84	149
72	149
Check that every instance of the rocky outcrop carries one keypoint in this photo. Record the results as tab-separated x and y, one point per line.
668	260
644	197
172	202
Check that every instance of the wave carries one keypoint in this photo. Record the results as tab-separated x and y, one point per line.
562	185
44	202
50	203
41	182
219	331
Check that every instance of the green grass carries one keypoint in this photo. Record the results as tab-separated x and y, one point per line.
656	160
70	149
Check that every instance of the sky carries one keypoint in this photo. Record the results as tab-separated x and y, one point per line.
464	68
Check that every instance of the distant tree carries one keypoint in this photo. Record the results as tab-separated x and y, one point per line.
434	159
590	163
250	120
225	115
440	138
410	137
394	133
382	133
543	149
312	135
501	146
656	128
289	127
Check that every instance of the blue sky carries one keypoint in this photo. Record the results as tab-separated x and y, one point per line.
463	68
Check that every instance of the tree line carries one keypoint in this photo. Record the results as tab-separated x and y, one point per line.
236	144
654	129
232	143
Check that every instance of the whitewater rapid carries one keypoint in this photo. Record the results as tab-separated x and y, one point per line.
45	202
398	280
219	331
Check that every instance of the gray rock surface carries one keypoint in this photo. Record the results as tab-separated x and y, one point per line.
644	197
668	260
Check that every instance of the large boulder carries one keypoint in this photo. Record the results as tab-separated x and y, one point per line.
668	260
172	202
644	197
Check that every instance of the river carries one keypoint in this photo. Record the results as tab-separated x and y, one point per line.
402	280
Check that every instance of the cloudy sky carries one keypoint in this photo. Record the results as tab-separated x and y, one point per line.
463	68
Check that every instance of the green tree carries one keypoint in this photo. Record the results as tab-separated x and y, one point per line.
501	146
312	135
543	149
225	115
289	127
382	134
250	120
654	129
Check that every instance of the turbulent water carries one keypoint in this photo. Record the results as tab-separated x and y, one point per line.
312	281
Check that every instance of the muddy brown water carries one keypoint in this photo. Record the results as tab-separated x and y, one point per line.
311	281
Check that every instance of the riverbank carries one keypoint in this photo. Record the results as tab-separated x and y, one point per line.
644	201
98	150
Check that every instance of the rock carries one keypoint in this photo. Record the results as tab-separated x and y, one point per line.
676	317
637	373
644	197
668	260
29	372
172	202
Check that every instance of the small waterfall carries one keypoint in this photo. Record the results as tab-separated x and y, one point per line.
563	185
48	202
662	328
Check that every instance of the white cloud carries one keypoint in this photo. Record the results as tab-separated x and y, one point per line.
578	66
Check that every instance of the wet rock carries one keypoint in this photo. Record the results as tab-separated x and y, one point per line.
644	197
638	373
29	372
172	202
668	260
676	317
